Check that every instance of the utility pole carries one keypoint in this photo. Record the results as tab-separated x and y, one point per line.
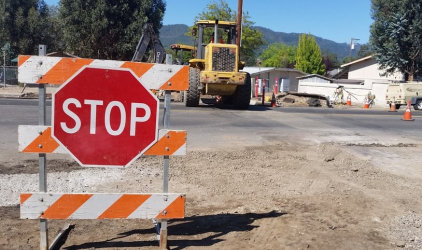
352	46
239	22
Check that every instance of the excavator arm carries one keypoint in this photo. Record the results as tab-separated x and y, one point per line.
148	35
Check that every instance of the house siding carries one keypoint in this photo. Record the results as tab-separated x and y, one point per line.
369	71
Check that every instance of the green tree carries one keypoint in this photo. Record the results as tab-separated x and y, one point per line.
308	56
23	25
278	55
107	29
252	39
364	51
54	36
330	60
396	36
347	59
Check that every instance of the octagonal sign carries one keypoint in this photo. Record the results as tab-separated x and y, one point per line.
105	117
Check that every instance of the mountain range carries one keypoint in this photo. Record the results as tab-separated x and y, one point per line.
175	33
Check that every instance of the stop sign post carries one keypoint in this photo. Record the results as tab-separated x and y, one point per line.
105	117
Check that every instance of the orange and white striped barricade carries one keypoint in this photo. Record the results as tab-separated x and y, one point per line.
101	206
38	139
57	70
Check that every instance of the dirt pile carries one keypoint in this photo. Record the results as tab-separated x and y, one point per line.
291	100
279	197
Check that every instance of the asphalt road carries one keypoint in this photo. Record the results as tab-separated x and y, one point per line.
374	134
211	126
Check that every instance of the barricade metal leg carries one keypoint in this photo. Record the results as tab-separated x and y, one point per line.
42	165
166	164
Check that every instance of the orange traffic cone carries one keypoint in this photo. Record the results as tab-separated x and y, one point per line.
393	106
407	115
366	106
349	100
273	102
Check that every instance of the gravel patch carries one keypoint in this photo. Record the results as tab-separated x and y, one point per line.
81	181
407	230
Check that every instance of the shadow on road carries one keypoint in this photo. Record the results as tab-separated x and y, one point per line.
206	231
211	103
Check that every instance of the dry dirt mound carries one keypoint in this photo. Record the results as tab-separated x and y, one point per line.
278	197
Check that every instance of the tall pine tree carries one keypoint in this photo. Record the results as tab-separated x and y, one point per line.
396	36
308	56
23	25
107	29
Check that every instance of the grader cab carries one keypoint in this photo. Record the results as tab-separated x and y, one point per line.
215	70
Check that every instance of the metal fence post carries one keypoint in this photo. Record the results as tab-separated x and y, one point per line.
42	157
166	161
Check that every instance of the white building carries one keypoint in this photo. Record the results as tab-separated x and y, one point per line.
364	76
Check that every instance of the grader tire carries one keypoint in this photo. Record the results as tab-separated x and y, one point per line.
193	94
242	96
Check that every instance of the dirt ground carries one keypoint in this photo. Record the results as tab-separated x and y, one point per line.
284	196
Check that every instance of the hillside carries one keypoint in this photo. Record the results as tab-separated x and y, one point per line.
175	33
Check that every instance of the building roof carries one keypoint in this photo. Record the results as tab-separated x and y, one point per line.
259	70
337	81
254	70
357	61
314	75
340	73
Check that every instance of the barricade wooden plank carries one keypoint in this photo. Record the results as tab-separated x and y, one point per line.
102	206
57	70
170	142
38	139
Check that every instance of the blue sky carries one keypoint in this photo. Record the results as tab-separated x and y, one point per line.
337	20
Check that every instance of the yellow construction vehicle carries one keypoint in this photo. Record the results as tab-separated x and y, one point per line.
215	70
182	48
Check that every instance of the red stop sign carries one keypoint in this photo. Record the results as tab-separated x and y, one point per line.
105	117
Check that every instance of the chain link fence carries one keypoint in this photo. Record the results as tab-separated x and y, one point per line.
11	76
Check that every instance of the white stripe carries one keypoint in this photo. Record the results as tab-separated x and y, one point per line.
37	204
59	150
95	206
35	67
159	75
181	150
162	133
27	134
153	206
107	63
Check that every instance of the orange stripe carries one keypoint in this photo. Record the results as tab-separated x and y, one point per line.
124	206
25	197
175	140
22	60
63	70
65	206
180	80
47	142
138	68
175	210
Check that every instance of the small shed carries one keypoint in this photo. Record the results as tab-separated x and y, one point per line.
286	78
